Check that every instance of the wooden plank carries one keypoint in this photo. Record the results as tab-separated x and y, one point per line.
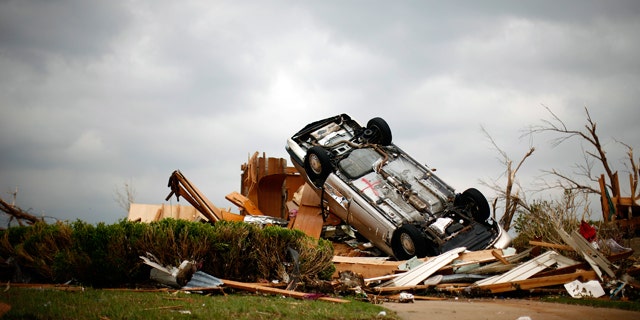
155	212
528	284
309	197
551	245
499	267
271	194
251	287
480	255
309	220
367	270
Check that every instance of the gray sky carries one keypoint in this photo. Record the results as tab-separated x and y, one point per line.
94	94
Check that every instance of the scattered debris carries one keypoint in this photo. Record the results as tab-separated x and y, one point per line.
414	276
171	276
594	268
405	297
590	289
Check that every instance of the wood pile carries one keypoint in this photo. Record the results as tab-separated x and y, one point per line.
541	268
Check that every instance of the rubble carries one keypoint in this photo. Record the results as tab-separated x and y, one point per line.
373	277
595	268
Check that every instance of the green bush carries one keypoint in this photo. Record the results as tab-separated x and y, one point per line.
109	255
544	219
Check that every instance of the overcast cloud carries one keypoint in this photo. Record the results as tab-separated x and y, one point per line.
96	94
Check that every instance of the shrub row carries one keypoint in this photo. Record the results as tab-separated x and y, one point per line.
109	255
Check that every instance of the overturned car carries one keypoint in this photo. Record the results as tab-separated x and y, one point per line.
395	202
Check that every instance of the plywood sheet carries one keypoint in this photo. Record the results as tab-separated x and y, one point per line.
155	212
309	220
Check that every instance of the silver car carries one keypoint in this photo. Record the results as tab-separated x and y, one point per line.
395	202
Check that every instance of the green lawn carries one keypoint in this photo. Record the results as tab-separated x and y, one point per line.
30	303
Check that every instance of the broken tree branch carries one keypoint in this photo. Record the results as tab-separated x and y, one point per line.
17	213
512	199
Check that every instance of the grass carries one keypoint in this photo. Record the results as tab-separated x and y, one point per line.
31	303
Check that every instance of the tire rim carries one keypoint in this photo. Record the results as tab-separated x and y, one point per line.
314	163
407	244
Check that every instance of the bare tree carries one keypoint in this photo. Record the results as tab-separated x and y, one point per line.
512	198
596	153
125	196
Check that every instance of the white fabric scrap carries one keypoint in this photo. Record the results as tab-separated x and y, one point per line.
578	289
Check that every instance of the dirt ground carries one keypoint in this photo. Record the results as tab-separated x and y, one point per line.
501	309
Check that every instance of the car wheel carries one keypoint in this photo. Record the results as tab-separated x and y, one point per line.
379	131
317	165
475	203
408	242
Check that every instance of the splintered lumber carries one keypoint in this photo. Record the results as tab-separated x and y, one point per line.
374	267
269	183
252	287
309	217
243	202
182	187
533	283
589	253
420	273
523	271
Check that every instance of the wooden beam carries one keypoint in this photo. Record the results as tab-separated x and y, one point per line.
551	245
367	267
251	287
539	282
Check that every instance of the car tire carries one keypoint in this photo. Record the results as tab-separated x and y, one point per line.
475	203
317	165
380	131
408	242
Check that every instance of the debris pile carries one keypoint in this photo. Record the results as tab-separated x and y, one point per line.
271	189
274	194
538	269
